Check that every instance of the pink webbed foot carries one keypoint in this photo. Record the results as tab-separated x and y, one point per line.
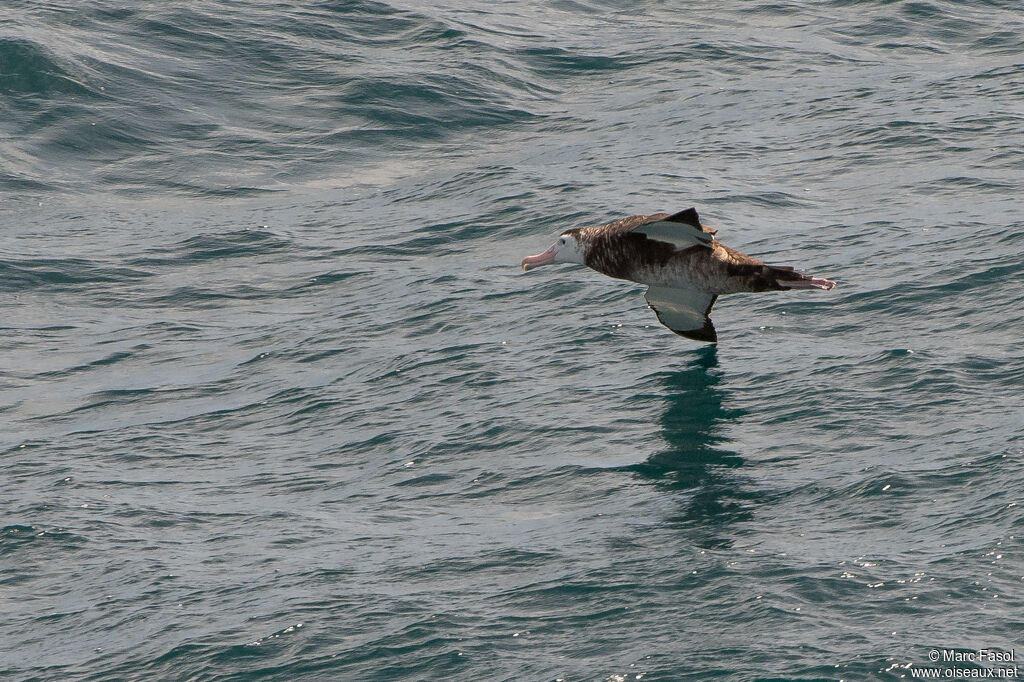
809	283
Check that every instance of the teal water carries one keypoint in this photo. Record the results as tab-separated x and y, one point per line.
277	402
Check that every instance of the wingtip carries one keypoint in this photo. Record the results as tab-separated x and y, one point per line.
687	217
706	334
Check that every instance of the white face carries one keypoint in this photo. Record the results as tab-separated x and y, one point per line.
566	250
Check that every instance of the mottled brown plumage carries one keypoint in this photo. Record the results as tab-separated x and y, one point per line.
678	256
617	250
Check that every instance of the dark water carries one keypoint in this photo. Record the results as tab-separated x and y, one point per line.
277	402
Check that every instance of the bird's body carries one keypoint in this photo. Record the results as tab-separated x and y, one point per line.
679	258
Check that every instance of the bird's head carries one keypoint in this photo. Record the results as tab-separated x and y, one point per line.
568	249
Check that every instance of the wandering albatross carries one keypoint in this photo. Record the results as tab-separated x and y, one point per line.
685	267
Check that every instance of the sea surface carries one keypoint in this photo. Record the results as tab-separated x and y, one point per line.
278	403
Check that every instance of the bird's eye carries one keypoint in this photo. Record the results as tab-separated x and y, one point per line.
562	240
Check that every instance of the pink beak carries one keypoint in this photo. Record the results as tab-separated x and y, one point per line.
540	259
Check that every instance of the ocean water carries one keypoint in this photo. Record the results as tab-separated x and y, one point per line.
277	402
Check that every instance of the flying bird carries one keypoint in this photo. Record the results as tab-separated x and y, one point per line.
685	267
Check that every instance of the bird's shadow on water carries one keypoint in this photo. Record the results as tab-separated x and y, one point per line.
697	463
